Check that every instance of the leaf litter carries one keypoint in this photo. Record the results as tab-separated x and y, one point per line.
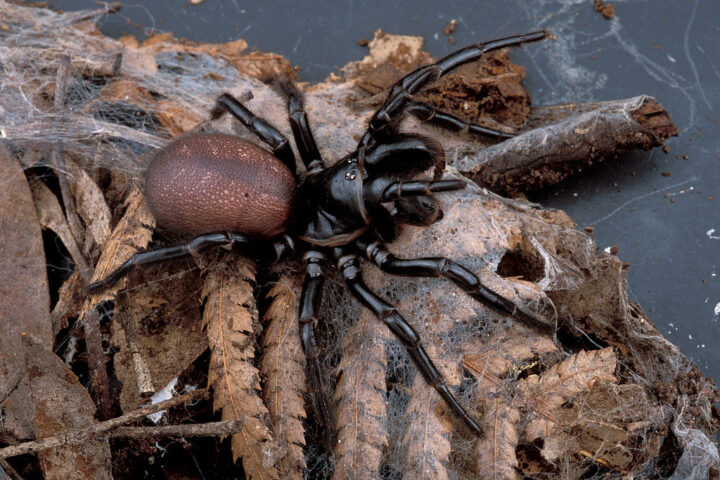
589	400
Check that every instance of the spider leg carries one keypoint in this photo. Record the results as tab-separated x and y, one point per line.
278	249
277	142
401	93
446	268
428	114
304	140
309	307
398	190
349	266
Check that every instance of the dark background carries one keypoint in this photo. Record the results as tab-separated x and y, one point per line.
666	226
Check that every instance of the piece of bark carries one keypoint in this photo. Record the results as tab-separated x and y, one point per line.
99	383
554	149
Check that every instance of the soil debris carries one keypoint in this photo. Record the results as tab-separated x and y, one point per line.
606	9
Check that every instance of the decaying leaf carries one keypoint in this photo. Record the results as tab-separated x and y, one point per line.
231	320
282	365
157	323
52	217
360	401
132	233
60	403
534	393
23	260
547	393
92	207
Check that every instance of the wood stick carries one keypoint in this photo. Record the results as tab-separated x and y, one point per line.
564	142
58	163
212	429
75	437
97	364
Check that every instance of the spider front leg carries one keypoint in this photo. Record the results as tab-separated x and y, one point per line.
309	307
278	249
349	266
402	92
426	113
446	268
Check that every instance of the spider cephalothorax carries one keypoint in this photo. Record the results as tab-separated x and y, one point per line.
227	192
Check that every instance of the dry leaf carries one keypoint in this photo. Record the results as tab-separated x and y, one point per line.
52	217
157	322
548	392
495	453
92	208
427	439
132	233
360	401
231	320
24	296
281	365
60	403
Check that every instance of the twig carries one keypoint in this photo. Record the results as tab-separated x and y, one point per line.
100	386
143	378
212	429
76	228
75	437
567	138
8	472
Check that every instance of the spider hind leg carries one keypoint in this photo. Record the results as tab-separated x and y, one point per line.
348	265
308	316
270	135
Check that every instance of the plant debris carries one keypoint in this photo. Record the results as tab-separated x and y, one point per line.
580	394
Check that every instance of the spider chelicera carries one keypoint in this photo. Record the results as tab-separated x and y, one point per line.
225	191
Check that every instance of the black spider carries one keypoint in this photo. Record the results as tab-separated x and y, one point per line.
205	183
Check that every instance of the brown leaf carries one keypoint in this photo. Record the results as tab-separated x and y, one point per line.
60	404
132	233
231	319
360	408
281	365
24	295
157	322
494	454
546	393
92	208
427	438
52	217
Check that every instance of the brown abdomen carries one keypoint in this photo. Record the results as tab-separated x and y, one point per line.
213	182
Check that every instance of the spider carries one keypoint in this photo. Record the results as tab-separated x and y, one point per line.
227	192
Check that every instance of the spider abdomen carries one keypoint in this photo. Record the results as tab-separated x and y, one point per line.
214	182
